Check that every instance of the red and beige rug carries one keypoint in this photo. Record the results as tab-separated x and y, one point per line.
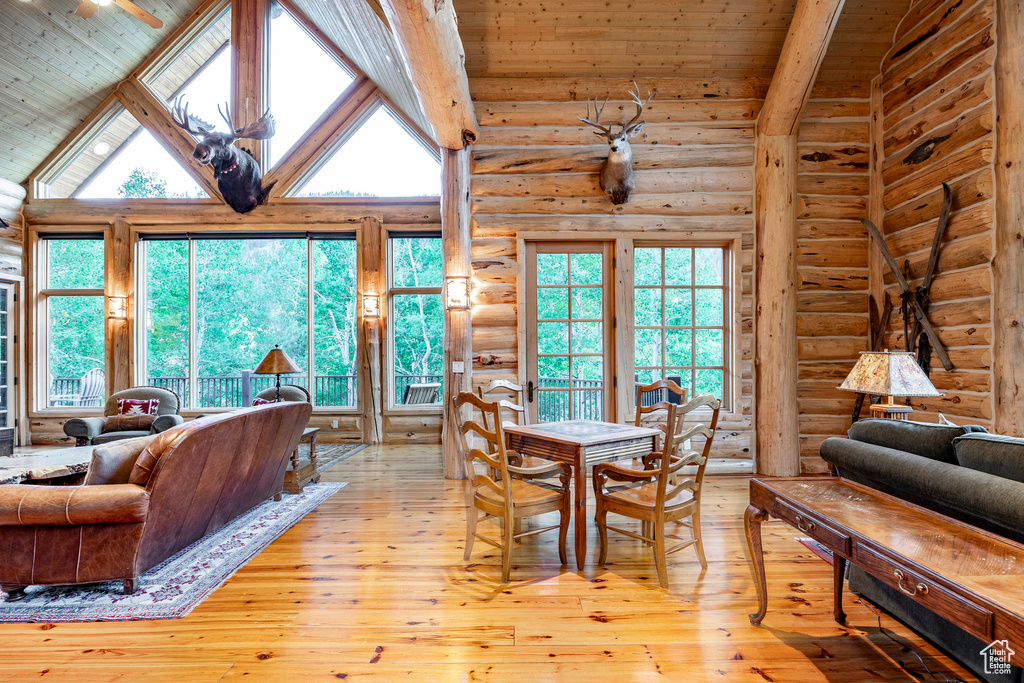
175	587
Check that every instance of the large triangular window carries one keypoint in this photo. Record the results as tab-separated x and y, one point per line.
124	161
380	159
201	73
304	81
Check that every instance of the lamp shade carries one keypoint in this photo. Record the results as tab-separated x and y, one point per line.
885	373
276	362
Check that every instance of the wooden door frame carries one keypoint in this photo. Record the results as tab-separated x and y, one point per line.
554	243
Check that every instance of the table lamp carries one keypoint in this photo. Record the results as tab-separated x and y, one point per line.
276	362
889	374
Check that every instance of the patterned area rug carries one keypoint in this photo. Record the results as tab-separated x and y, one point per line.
329	454
175	587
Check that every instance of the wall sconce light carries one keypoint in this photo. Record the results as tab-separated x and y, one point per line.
456	293
117	307
371	306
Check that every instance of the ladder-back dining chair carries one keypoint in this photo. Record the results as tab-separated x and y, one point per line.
510	497
663	493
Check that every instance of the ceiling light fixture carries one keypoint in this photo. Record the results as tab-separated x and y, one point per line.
101	3
100	149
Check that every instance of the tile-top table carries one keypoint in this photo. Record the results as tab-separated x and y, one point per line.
581	443
60	462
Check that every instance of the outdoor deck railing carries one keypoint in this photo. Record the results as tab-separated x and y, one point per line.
580	399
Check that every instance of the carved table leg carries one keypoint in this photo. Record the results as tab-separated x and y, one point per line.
752	521
312	460
579	513
839	573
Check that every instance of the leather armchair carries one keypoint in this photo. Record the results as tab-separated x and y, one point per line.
89	430
146	499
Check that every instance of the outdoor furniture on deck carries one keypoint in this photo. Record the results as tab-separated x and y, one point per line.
416	394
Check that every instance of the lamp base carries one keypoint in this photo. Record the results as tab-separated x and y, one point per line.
889	411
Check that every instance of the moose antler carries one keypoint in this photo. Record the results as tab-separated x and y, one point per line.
606	131
192	124
260	129
635	95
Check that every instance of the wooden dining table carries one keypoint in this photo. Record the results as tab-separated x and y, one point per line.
581	443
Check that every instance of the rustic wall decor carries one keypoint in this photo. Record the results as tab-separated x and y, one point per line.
617	171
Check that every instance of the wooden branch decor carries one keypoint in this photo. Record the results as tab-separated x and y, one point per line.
429	39
919	312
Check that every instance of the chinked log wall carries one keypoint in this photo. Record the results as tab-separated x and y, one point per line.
11	198
937	111
46	427
535	169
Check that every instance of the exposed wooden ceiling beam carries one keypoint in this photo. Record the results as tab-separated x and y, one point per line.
429	39
802	54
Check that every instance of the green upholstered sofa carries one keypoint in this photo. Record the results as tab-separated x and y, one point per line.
962	472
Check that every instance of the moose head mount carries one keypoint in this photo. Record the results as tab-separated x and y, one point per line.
617	171
238	175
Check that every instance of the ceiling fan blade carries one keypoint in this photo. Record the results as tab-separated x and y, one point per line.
139	13
86	9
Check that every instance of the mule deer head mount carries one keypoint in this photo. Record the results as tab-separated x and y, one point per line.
617	171
239	177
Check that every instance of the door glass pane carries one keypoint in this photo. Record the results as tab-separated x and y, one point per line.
587	337
553	337
587	303
585	269
335	329
553	303
552	269
166	316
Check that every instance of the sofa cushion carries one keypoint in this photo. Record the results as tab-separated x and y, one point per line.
927	440
157	449
127	422
1002	456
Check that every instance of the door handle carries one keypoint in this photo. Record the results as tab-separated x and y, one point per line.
529	391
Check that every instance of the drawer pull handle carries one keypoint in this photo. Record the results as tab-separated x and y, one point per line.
919	588
804	525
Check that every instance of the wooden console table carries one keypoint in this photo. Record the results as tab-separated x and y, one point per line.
968	576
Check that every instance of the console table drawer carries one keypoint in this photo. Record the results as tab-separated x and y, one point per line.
967	616
813	527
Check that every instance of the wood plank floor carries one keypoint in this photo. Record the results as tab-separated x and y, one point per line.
372	586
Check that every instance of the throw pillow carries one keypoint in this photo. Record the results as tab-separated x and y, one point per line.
264	401
128	422
137	406
1002	456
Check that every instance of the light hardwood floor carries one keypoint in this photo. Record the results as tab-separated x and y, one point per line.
372	585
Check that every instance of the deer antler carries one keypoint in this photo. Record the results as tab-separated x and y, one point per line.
606	131
192	124
226	115
635	95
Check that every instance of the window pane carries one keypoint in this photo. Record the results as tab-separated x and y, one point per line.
647	266
588	371
709	347
647	307
417	341
552	269
678	307
587	338
553	303
710	268
553	368
75	350
586	269
678	266
586	303
250	295
416	261
709	382
648	348
678	347
335	329
553	337
75	264
709	307
166	316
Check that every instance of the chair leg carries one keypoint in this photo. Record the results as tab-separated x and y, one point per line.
506	551
601	520
471	518
659	554
517	528
563	529
698	541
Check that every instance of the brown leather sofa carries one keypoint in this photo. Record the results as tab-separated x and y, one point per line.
146	499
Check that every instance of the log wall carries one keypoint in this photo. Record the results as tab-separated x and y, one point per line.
535	169
832	305
937	111
12	197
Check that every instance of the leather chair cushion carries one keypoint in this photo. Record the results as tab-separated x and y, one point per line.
60	505
124	423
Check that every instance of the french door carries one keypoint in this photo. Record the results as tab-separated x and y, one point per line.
7	414
569	303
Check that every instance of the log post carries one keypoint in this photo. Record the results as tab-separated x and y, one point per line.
428	36
1008	264
776	413
372	282
458	329
775	357
120	282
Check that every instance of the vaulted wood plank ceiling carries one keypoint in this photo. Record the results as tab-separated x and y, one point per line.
702	39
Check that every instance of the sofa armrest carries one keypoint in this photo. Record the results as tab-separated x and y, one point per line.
164	422
23	505
86	428
112	462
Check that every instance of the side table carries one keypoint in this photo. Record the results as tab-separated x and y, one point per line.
296	478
